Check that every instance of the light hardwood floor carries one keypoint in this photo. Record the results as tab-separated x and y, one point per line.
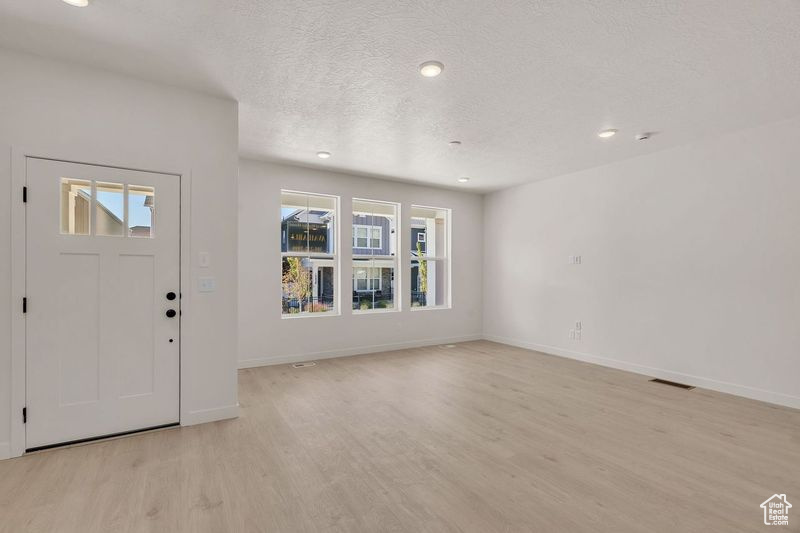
481	437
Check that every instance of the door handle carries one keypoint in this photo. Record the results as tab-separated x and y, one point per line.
170	313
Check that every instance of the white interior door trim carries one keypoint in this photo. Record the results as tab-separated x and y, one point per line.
18	230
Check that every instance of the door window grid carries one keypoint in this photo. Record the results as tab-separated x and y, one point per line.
101	208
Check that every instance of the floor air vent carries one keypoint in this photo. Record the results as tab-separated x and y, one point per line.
672	384
305	364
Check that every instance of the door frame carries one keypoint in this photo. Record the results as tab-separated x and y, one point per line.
19	157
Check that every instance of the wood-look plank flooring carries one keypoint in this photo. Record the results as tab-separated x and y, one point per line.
481	438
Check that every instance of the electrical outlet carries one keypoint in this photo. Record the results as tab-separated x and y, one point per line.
578	325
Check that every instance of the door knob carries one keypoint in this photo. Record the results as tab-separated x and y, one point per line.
170	313
170	296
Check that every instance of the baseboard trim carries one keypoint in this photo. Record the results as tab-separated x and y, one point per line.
201	416
5	450
359	350
698	381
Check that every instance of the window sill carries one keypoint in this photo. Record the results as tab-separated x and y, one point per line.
375	311
294	316
431	308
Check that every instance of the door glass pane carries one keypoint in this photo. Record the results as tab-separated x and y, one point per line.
141	207
110	209
76	200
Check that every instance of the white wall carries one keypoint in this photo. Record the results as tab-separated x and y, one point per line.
690	264
73	112
264	337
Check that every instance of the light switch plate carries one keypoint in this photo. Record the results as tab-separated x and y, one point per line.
207	284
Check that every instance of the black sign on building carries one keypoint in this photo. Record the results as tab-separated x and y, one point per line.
305	237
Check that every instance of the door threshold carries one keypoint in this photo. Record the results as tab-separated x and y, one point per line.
110	436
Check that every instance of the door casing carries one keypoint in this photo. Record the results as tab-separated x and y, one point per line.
18	273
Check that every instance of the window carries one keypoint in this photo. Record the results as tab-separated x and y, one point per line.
369	237
366	279
116	207
430	262
374	255
308	254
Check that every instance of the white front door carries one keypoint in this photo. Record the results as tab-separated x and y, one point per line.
103	301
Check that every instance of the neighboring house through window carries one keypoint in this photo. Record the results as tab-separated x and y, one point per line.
367	279
370	237
374	255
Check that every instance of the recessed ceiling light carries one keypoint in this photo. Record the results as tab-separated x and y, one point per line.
454	144
605	134
323	155
431	69
77	3
463	180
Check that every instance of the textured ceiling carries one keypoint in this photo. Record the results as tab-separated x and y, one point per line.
526	86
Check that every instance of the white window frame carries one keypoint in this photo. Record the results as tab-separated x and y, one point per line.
369	229
445	257
393	258
333	259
